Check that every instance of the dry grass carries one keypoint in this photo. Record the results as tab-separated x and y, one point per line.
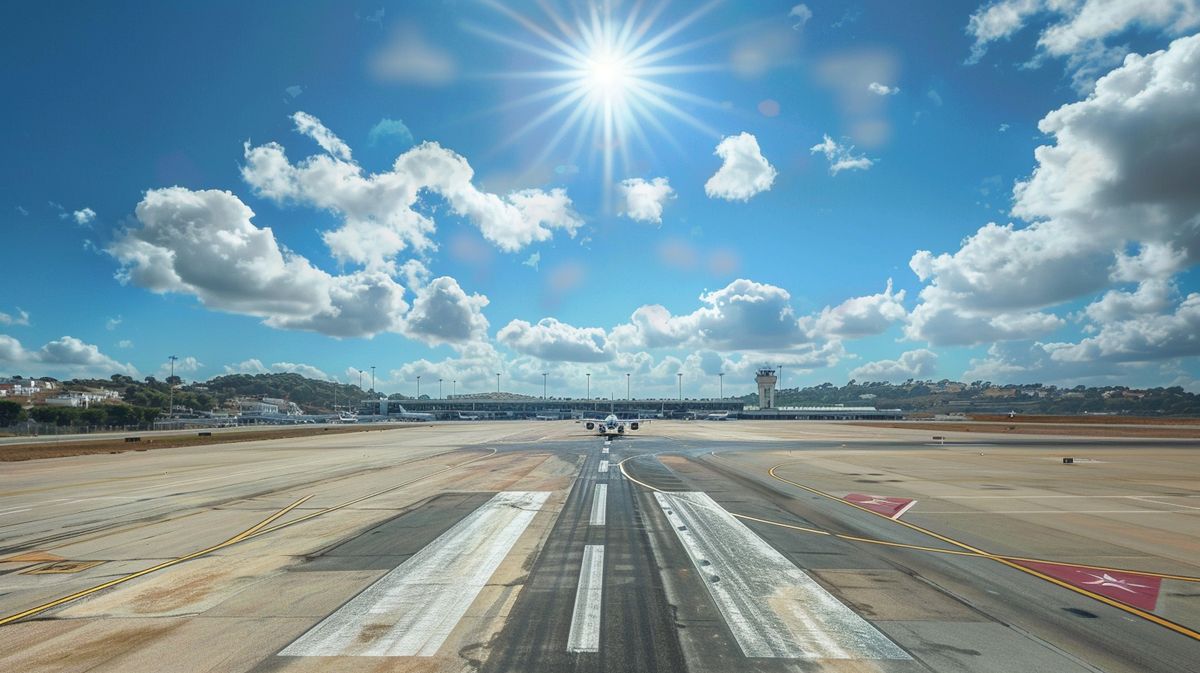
1047	428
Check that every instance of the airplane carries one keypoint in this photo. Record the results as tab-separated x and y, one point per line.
612	426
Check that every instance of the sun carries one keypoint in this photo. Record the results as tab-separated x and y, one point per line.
605	74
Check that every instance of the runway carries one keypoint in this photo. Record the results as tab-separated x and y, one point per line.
536	546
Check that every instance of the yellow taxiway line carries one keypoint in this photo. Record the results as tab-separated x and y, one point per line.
964	550
252	532
1148	616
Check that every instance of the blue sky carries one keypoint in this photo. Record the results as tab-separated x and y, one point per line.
851	138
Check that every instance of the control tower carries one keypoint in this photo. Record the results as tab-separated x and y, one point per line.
766	380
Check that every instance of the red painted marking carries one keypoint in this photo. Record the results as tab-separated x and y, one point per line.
889	507
1139	591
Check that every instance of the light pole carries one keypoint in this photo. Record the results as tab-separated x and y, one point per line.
171	388
440	390
589	386
360	380
721	380
780	378
418	388
453	387
373	380
497	383
627	398
680	375
544	375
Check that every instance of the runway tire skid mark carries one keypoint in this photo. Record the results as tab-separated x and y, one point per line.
636	628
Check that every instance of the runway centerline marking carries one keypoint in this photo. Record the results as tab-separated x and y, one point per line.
585	619
773	608
599	505
604	466
411	610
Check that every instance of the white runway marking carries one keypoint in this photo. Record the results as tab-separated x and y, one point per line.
15	511
599	505
772	607
604	466
411	610
585	621
604	450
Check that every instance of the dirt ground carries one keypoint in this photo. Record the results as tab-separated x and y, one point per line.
1047	428
36	451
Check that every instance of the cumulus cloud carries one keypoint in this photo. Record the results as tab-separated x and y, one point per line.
20	318
84	216
744	171
882	89
551	339
1112	200
203	243
112	323
841	157
1079	29
644	200
409	58
313	128
916	364
861	316
442	313
256	366
66	356
379	210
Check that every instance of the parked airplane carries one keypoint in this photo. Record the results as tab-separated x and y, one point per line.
611	425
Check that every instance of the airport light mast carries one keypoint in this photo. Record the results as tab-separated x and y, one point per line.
627	398
418	389
373	381
544	375
497	383
589	386
680	375
171	388
440	390
721	382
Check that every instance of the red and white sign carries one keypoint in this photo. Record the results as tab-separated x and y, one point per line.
1140	591
889	507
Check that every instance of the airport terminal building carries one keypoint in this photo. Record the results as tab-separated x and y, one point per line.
554	409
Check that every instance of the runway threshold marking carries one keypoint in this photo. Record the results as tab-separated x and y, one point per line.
231	541
585	619
1148	616
773	608
410	611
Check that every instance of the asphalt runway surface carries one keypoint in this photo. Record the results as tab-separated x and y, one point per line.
536	546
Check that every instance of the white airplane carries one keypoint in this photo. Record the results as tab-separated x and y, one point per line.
612	426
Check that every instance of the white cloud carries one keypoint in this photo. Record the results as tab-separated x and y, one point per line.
1111	200
84	217
1151	296
882	89
743	315
112	323
861	316
378	210
392	132
1136	336
442	313
256	366
203	243
916	364
841	157
409	58
552	340
644	200
313	128
800	15
21	317
66	356
124	343
533	260
184	365
294	90
744	171
1082	27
